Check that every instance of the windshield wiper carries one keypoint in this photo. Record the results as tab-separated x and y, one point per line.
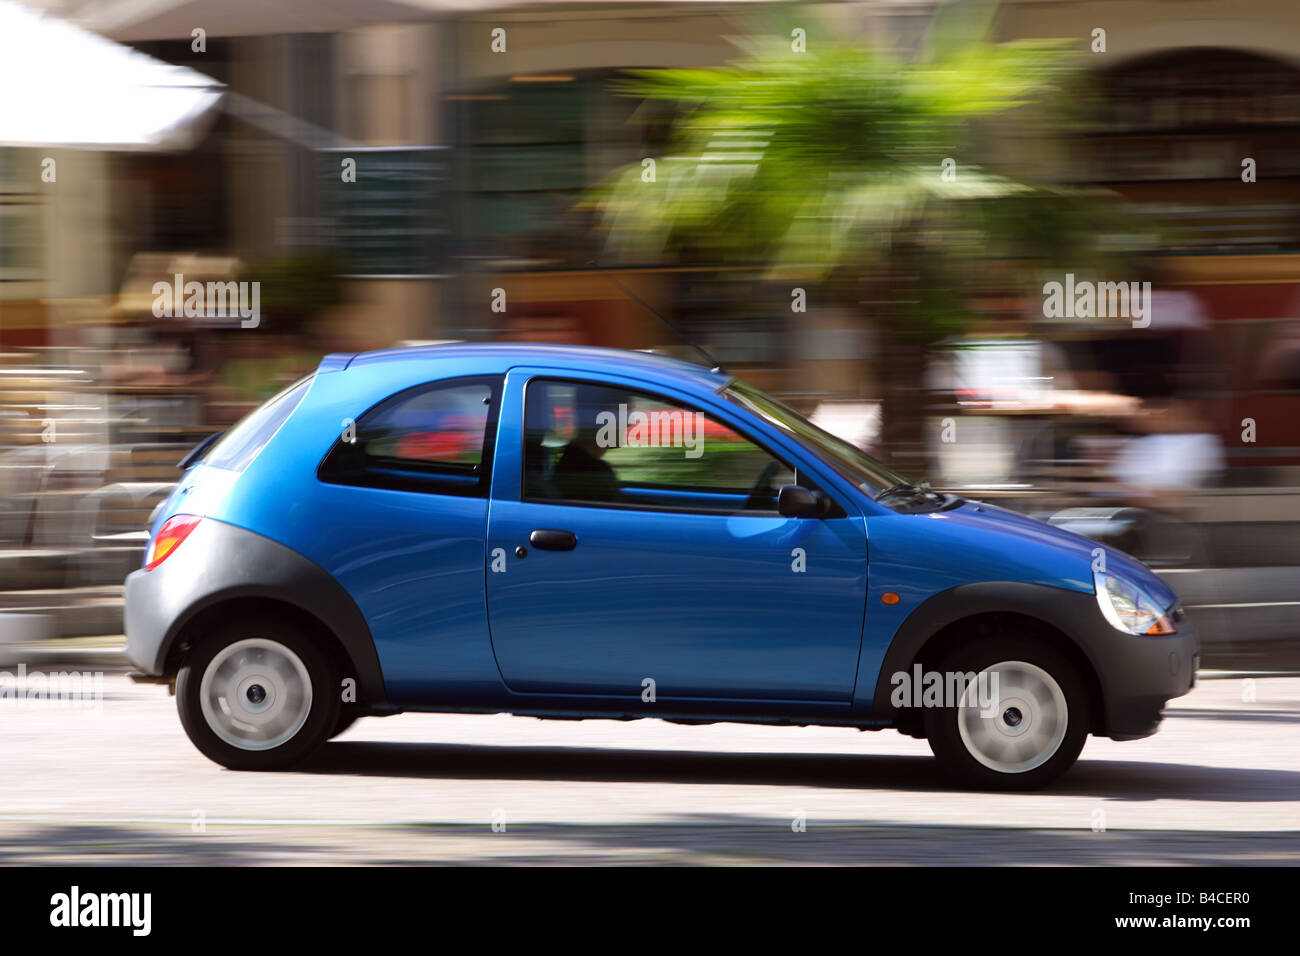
921	489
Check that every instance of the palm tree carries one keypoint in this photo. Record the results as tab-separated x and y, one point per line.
856	169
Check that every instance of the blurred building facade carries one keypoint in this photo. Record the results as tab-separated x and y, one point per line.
475	133
473	148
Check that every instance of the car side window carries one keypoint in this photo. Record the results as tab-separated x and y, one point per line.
434	438
604	445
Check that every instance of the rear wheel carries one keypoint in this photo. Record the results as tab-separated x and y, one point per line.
1020	724
257	695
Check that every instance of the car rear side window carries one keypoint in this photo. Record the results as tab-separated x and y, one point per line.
250	434
435	438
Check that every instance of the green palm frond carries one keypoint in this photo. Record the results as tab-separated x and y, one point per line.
814	158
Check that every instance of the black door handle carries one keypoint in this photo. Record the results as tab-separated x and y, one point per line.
549	539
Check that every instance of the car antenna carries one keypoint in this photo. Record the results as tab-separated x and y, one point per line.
716	365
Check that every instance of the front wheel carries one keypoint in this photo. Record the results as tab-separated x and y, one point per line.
1019	724
257	695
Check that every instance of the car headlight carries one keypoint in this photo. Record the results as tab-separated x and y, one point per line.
1128	608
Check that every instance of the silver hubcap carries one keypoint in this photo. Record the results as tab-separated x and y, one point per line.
255	694
1027	724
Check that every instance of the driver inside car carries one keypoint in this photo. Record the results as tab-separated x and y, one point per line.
580	472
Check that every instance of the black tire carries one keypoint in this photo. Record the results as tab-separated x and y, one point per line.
998	752
255	658
347	717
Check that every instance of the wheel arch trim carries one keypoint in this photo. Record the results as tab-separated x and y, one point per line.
223	563
1057	608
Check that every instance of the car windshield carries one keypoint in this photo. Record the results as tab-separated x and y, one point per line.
849	460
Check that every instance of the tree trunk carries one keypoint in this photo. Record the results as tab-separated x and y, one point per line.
902	363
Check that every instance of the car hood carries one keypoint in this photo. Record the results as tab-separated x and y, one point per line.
921	553
1019	530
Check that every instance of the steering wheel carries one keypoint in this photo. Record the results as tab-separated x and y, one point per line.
761	494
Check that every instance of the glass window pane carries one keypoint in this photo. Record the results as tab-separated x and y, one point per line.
598	444
434	439
239	446
440	425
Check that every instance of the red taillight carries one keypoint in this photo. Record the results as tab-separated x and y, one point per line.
169	537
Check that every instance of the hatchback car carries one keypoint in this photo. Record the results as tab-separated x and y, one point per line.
588	533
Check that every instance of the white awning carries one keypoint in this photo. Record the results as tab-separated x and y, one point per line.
136	20
66	87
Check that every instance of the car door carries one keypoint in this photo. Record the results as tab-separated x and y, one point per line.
634	545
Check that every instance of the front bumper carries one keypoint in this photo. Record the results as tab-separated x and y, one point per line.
1139	675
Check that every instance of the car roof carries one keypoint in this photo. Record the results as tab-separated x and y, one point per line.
503	355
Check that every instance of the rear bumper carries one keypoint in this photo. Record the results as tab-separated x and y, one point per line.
220	565
147	619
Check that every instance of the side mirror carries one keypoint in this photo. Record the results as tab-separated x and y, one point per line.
795	501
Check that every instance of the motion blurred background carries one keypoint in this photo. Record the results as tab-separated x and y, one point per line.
853	205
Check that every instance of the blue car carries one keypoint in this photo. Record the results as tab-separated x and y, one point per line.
572	532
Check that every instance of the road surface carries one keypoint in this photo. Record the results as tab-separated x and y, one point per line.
118	782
